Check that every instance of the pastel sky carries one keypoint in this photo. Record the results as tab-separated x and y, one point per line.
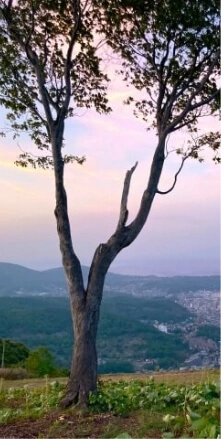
182	232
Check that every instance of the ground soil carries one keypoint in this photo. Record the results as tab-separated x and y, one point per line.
73	425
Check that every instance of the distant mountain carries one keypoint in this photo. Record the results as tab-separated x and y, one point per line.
16	279
19	280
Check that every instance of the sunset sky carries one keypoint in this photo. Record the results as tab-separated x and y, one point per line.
182	232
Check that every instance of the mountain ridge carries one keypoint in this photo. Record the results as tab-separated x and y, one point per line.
17	279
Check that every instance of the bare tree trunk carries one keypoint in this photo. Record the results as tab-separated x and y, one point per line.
83	374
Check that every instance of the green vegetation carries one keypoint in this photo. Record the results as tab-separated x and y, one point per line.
147	309
12	353
120	409
26	402
40	362
126	333
19	361
209	331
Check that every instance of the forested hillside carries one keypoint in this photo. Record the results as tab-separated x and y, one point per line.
126	335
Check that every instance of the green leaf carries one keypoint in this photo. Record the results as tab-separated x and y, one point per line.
199	424
194	415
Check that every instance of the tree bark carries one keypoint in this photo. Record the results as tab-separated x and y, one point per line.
83	374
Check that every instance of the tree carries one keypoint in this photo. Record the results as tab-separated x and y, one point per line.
12	353
49	67
40	362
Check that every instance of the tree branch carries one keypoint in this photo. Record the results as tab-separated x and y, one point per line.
163	83
68	63
32	25
125	235
123	206
34	60
175	178
189	106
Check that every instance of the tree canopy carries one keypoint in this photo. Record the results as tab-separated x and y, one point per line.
49	57
170	53
49	69
12	353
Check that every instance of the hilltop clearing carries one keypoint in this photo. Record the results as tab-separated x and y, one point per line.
160	406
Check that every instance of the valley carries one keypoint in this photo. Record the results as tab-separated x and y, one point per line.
147	323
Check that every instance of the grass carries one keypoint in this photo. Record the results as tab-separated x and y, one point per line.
164	405
174	377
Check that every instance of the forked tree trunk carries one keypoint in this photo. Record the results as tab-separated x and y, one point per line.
85	304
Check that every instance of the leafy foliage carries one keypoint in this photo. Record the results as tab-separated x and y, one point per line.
12	353
40	362
174	62
31	402
192	409
47	57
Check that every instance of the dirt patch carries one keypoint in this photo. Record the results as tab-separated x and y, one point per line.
57	425
74	425
30	428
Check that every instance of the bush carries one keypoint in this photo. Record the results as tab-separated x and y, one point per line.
41	362
12	353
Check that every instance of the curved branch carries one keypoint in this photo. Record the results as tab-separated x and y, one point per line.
175	179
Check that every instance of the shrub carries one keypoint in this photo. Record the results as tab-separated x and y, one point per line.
41	362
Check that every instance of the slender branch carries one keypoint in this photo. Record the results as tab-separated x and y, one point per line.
68	63
31	154
190	73
53	103
194	107
32	25
175	94
204	101
175	178
9	5
123	207
189	106
163	83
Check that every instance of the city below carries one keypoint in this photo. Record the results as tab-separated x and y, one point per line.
147	322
